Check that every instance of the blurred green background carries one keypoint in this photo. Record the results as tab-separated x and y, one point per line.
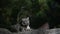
12	10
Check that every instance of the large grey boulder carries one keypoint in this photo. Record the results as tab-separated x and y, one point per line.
42	31
4	31
54	31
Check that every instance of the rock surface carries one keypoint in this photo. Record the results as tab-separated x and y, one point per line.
4	31
38	31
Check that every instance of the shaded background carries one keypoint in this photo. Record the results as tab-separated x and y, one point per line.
12	10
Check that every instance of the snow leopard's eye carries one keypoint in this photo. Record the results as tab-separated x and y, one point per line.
23	22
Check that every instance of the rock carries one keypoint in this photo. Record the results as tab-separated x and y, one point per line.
4	31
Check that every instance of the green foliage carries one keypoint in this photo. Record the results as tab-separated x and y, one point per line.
12	10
